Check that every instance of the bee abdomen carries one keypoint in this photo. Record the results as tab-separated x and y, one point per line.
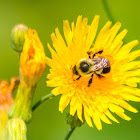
106	70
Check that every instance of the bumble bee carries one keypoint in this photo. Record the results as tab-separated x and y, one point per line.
96	65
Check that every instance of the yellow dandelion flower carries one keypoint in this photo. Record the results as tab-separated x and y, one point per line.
105	92
6	101
32	59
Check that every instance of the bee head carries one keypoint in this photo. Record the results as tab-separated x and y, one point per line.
84	66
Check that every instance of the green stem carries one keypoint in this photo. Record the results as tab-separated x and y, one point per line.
48	96
22	107
106	7
71	130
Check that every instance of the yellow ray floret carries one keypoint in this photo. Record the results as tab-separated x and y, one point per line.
104	95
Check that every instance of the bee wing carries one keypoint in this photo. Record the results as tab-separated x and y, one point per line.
105	63
97	67
100	63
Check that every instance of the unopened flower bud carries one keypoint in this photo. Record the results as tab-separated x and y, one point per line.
74	121
16	129
32	66
32	59
17	37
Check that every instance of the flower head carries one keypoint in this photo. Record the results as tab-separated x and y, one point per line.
106	94
6	101
32	59
6	90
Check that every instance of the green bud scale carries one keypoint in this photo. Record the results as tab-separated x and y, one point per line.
74	121
16	129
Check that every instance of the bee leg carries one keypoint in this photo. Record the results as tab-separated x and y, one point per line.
89	55
97	53
90	81
100	76
78	77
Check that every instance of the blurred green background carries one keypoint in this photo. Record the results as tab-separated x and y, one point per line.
44	16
